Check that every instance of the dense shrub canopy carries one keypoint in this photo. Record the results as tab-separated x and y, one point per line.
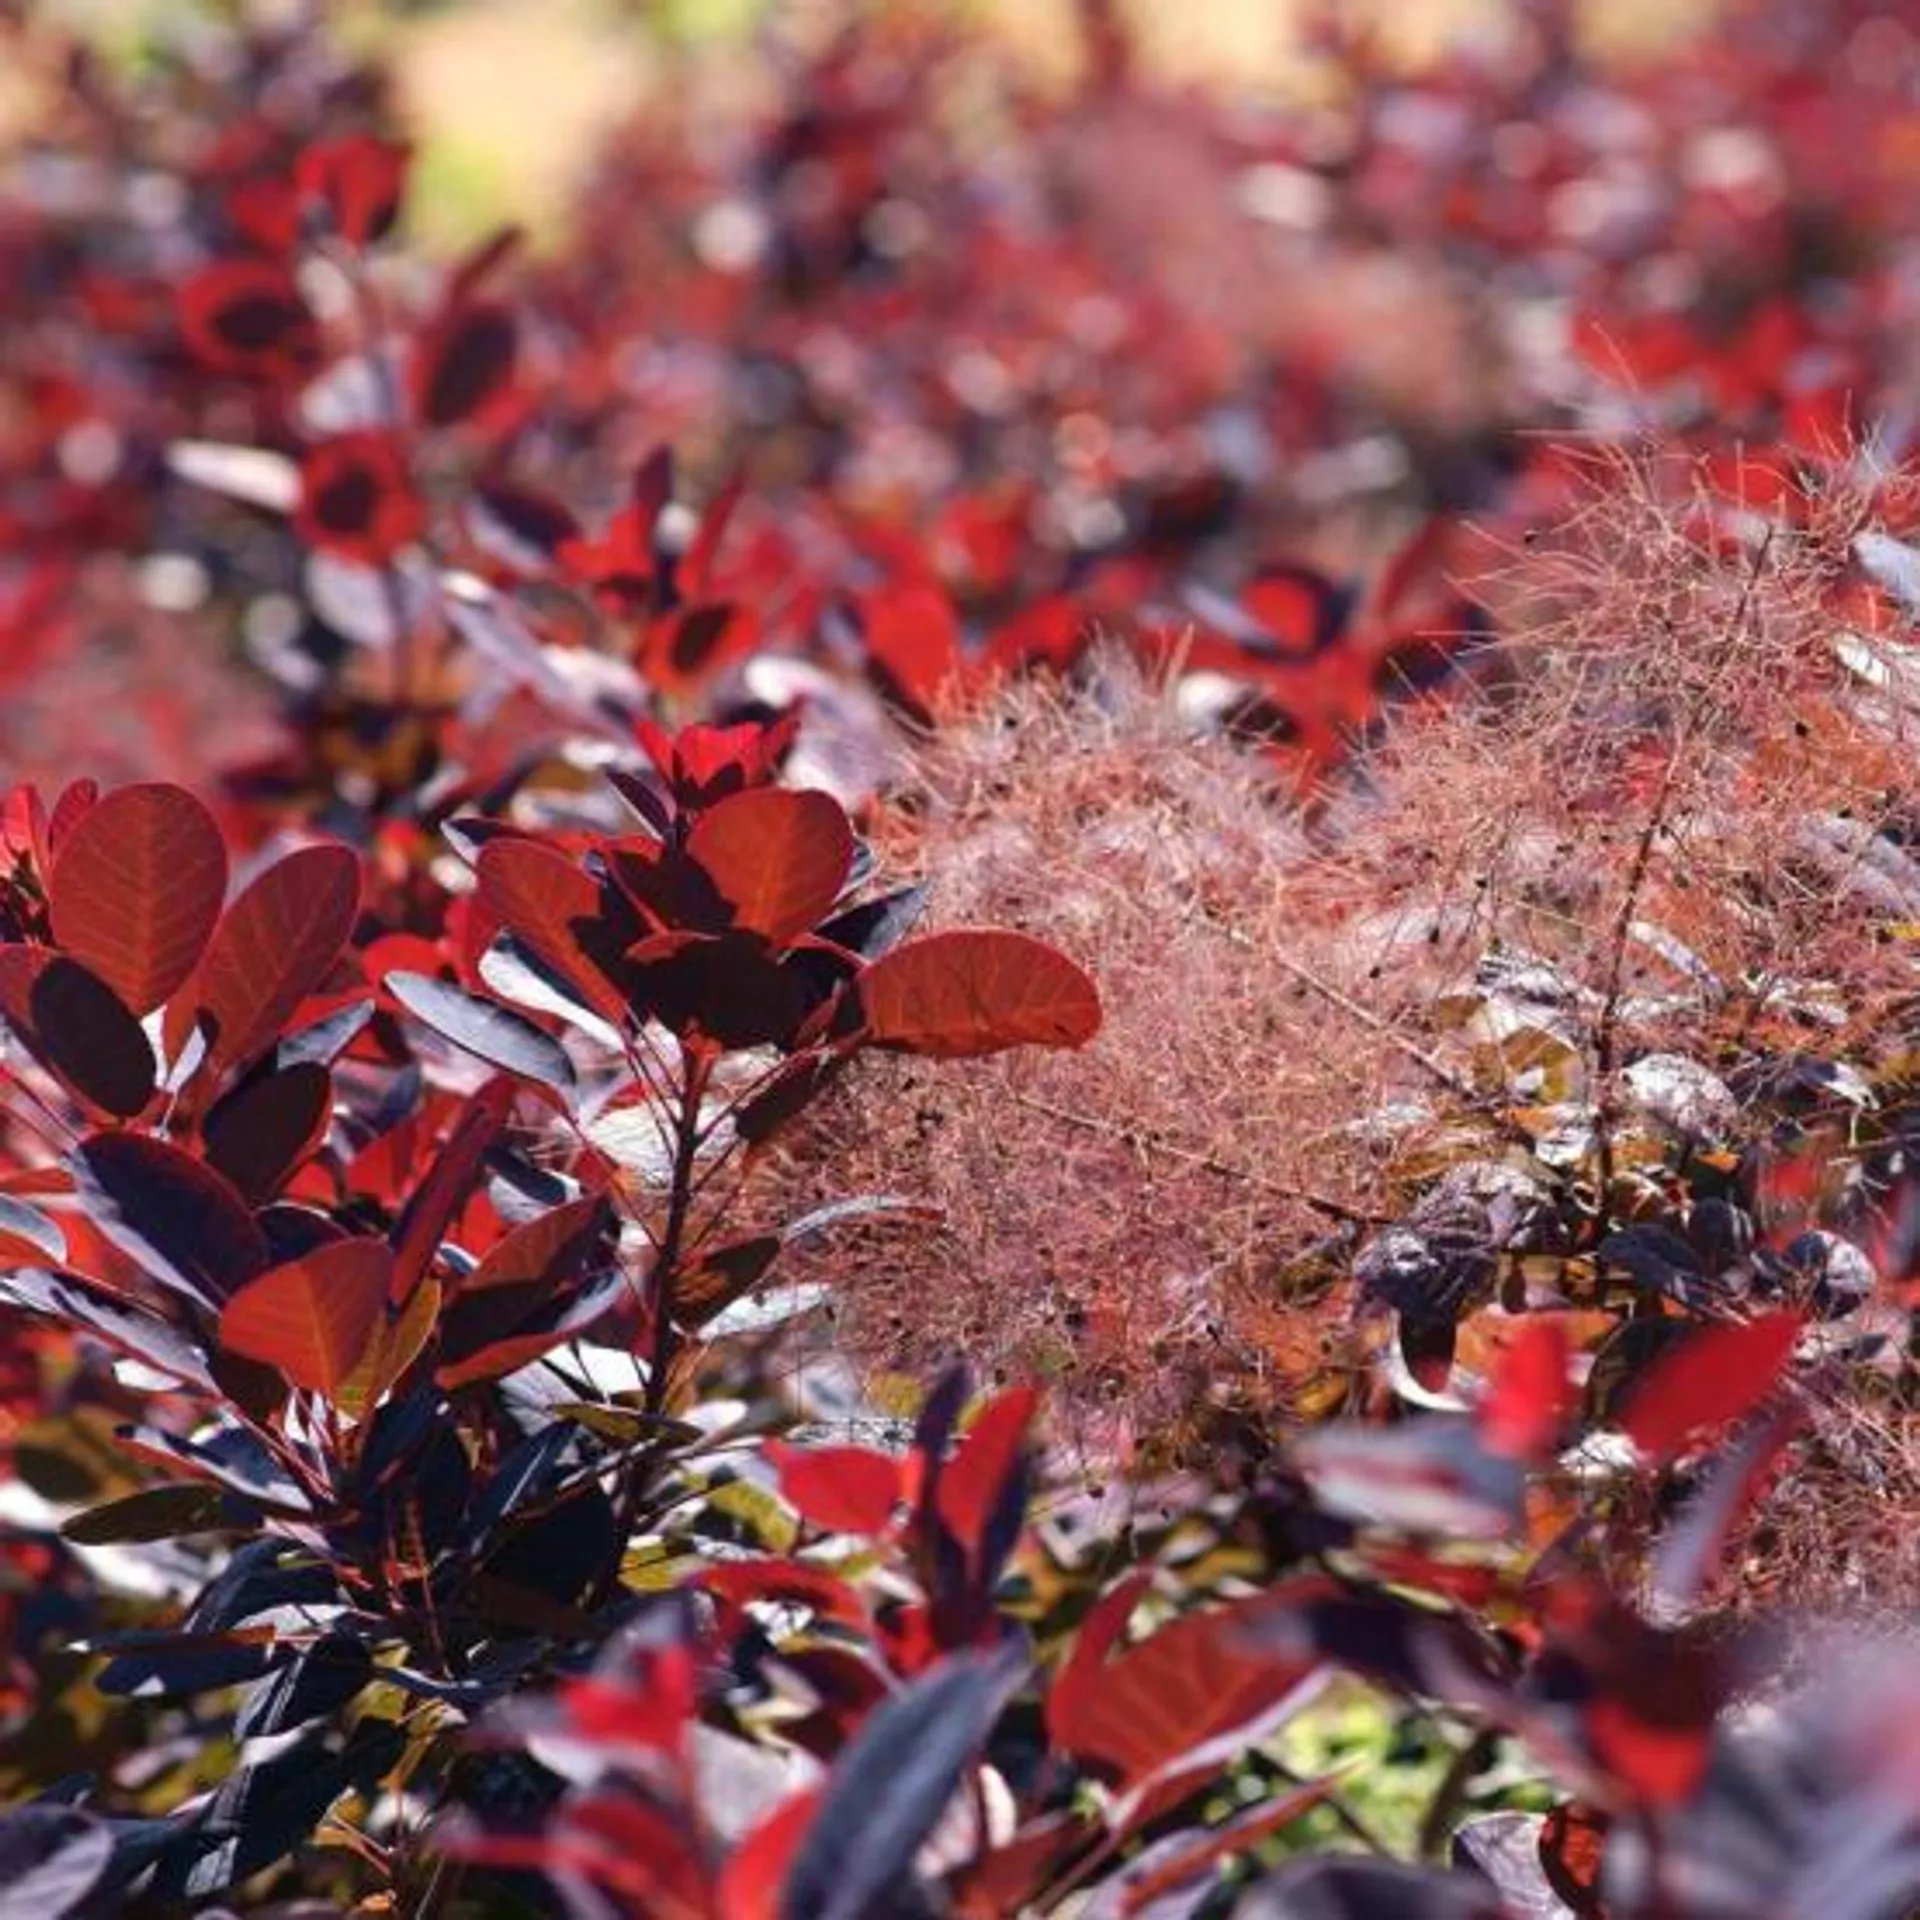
1002	1008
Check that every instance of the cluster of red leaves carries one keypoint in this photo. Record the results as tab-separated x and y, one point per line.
916	1767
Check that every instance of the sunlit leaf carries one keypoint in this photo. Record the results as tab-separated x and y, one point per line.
313	1318
969	992
137	888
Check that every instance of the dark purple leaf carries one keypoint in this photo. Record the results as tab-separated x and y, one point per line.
260	1131
180	1220
262	1812
154	1513
128	1330
466	362
485	1029
52	1861
891	1784
315	1683
78	1028
1335	1887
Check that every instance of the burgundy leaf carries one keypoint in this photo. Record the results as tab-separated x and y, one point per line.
272	948
778	860
136	889
970	992
313	1319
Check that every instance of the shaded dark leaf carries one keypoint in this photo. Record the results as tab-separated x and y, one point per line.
728	989
890	1786
262	1576
52	1861
875	926
233	1458
154	1513
1331	1887
564	1553
315	1683
466	362
260	1131
326	1039
76	1026
499	1352
262	1812
723	1275
180	1220
534	1466
786	1095
178	1666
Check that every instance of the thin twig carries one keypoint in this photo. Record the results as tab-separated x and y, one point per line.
1606	1028
1152	1138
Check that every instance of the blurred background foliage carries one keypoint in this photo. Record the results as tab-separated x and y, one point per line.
509	99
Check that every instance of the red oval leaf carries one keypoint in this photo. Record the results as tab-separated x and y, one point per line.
844	1489
971	992
76	800
754	1874
275	945
136	890
1189	1683
913	644
504	1300
548	1251
542	898
1706	1381
1528	1398
359	180
777	859
313	1318
973	1484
